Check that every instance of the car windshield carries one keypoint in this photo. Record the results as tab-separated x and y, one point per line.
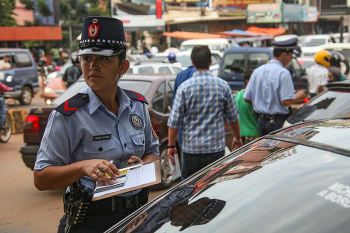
268	186
184	60
186	47
135	85
233	63
257	59
64	68
329	104
314	42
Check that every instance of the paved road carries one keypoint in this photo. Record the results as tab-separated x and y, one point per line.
23	207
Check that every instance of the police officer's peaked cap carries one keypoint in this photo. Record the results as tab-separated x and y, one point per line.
286	45
103	36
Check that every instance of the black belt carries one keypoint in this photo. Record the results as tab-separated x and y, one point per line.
273	117
118	203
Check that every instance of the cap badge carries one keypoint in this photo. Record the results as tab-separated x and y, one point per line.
93	29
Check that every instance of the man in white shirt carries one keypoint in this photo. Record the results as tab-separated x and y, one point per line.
154	50
4	63
318	74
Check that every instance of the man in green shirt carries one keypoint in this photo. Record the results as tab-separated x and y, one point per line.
247	122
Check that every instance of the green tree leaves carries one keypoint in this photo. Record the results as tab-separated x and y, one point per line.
6	12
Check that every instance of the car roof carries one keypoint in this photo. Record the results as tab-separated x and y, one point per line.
247	49
336	45
154	64
12	50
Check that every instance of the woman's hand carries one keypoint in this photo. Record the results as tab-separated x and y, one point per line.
134	159
98	169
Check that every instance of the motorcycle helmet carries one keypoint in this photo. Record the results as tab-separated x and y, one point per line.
171	56
323	57
42	61
336	58
75	58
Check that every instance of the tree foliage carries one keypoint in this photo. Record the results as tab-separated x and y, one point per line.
28	4
6	12
74	11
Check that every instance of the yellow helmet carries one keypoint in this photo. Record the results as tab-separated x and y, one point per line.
323	57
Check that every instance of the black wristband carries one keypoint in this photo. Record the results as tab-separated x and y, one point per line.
171	146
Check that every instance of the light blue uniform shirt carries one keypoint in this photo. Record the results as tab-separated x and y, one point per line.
69	139
269	85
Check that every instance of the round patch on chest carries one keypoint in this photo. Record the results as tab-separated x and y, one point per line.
136	121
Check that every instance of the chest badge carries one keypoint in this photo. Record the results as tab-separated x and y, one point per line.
136	121
93	29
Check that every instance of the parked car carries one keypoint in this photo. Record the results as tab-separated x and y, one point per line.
306	63
294	180
22	77
160	57
134	58
154	68
236	60
157	89
220	44
54	88
185	58
333	102
313	43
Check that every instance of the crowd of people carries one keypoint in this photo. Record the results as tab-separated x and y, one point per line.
71	153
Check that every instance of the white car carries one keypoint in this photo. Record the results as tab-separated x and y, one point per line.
313	43
185	58
162	57
154	68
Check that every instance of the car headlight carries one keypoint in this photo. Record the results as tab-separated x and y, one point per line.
49	90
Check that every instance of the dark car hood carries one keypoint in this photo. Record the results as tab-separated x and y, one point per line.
326	105
267	186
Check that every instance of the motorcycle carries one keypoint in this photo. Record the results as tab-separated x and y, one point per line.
6	127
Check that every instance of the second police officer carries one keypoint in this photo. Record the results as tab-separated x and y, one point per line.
271	89
101	124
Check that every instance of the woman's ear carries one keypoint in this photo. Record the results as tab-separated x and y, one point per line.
124	67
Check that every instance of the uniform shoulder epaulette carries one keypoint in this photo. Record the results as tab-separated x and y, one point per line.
69	106
135	96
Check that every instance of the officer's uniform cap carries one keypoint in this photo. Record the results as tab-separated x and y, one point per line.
102	36
285	45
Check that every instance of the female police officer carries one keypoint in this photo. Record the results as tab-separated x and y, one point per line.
100	124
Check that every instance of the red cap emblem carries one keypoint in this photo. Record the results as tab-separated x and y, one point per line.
93	29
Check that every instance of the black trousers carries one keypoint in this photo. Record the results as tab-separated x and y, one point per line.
94	223
103	214
265	126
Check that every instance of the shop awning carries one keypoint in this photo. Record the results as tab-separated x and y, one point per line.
30	33
192	35
267	31
236	32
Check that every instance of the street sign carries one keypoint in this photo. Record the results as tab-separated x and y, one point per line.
335	7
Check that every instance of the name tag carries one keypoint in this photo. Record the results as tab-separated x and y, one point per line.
102	137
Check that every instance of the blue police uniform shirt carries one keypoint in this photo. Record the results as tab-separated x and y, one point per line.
269	85
71	139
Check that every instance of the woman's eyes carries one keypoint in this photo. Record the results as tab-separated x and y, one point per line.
101	58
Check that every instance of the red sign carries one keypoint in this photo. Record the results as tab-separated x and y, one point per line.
241	3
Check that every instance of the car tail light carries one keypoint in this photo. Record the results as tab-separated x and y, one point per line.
31	124
157	127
